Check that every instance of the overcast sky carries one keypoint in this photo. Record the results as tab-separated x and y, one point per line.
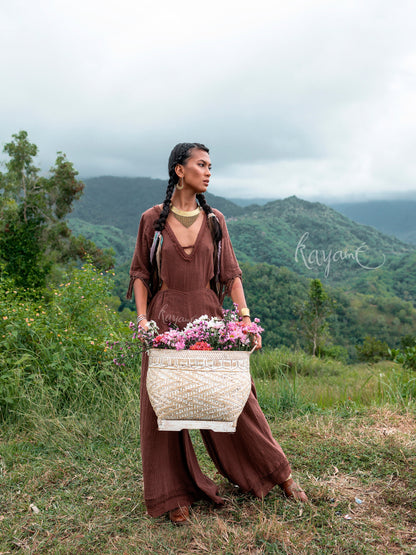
314	98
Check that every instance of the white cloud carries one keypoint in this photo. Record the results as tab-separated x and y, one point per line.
307	98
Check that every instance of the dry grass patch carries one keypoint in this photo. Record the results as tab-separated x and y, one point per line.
89	492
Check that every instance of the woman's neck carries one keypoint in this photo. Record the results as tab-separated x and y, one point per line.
184	200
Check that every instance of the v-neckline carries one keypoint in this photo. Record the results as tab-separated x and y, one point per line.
179	247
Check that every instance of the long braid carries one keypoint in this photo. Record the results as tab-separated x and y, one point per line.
159	224
216	233
213	222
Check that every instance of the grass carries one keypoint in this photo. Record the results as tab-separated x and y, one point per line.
287	379
81	470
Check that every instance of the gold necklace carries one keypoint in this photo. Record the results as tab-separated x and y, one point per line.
185	217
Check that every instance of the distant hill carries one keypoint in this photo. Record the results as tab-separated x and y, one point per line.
119	201
105	237
279	245
250	201
308	238
394	217
314	240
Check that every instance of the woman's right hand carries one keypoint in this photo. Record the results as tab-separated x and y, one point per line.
143	324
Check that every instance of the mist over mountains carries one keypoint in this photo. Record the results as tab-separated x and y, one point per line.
394	217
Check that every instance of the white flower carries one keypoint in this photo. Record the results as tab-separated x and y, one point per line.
215	323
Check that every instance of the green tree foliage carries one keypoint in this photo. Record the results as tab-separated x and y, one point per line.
313	316
34	234
373	350
272	294
406	355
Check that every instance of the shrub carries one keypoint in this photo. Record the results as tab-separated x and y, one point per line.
406	357
373	350
49	344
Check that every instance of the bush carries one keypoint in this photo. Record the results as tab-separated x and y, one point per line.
408	341
336	352
57	343
373	350
407	357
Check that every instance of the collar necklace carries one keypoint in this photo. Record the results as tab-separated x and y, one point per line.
185	217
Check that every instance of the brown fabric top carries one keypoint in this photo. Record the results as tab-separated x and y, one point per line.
181	271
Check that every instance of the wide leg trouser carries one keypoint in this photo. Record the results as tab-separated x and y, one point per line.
250	458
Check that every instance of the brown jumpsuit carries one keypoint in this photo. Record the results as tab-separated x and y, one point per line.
249	457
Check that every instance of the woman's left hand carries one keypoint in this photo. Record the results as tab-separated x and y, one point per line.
257	341
256	338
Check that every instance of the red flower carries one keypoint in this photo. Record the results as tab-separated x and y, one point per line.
201	346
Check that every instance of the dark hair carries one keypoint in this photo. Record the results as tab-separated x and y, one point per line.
179	155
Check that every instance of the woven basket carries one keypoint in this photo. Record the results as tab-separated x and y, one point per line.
198	389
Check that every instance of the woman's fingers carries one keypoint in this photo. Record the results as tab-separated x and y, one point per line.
257	342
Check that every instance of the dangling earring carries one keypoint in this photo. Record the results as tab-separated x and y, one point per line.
179	185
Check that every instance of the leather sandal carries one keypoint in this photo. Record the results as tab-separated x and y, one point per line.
179	516
293	491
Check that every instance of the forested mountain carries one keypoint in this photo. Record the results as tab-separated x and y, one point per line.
309	238
244	202
280	245
107	237
316	241
394	217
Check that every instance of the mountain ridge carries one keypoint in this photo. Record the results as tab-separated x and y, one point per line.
279	245
309	238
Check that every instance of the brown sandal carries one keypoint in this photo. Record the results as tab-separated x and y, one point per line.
179	516
293	491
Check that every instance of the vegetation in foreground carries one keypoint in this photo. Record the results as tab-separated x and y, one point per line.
70	473
70	477
73	484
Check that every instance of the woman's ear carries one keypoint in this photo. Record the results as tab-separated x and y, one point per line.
179	170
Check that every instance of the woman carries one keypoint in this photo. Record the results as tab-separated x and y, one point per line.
182	267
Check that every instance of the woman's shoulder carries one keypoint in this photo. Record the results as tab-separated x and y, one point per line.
219	214
151	214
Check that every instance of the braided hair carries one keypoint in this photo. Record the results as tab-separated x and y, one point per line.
179	155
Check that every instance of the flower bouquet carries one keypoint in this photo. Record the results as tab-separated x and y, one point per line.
199	377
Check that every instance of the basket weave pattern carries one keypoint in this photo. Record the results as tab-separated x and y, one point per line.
198	385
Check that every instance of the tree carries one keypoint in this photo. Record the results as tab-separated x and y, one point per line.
33	232
313	315
372	350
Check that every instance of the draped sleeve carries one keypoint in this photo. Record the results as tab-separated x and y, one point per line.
140	264
229	268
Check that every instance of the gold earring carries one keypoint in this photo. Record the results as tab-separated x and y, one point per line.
179	185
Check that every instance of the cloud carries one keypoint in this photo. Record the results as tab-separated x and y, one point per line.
314	99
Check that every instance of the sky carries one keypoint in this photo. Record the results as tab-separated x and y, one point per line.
311	98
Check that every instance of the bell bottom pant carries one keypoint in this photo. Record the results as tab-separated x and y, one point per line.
250	458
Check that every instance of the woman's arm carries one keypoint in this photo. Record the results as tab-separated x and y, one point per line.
140	295
238	297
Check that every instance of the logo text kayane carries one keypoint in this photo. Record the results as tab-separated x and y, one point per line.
317	258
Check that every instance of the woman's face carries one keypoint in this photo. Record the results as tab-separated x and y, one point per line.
196	171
